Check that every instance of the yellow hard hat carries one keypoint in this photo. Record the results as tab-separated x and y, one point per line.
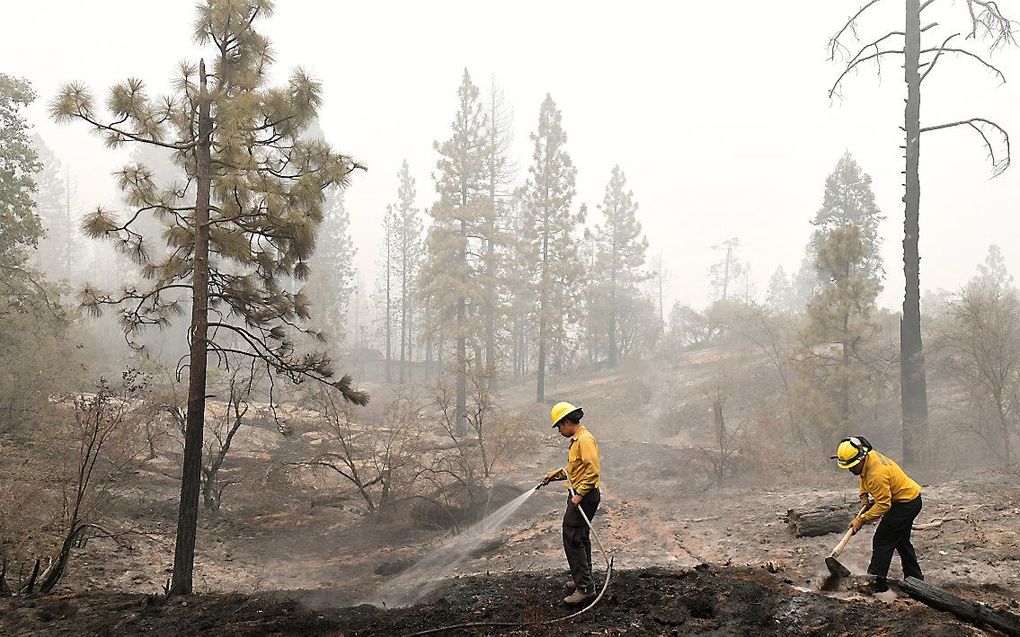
850	452
560	411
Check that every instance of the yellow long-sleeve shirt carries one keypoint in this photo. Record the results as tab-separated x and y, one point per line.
886	483
583	463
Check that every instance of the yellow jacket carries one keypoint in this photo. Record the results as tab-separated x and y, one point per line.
583	464
887	483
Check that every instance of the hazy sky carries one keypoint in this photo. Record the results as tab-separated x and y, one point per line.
717	112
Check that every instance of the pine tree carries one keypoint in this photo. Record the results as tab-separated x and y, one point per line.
780	295
331	280
451	273
242	223
493	228
19	163
384	288
60	249
407	239
849	201
832	389
552	235
723	274
620	253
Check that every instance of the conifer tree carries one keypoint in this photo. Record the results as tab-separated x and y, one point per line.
331	280
553	230
60	248
384	289
243	220
407	239
620	253
833	388
849	200
19	163
493	229
454	243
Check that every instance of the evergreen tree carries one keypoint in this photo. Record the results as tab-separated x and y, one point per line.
19	163
727	270
450	277
407	240
833	386
552	236
780	295
59	250
384	288
332	270
849	201
244	219
620	253
498	242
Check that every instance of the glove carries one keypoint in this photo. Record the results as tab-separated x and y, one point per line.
545	480
856	524
865	500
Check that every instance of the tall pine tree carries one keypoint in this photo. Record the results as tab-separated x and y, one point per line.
241	224
450	276
620	253
407	241
553	230
331	280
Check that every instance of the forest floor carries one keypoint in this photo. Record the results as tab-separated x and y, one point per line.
271	562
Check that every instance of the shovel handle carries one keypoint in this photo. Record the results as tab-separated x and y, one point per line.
846	538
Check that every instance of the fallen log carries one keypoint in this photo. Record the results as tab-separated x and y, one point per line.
973	612
819	520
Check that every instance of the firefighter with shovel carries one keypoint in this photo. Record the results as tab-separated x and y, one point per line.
582	476
897	501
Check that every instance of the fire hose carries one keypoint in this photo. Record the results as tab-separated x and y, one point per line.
610	561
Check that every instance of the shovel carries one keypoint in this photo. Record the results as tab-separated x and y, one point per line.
831	561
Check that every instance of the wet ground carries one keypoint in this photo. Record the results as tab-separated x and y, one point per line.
701	601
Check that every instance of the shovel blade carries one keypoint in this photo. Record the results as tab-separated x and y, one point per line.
836	568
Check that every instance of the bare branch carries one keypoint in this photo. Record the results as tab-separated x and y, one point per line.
850	25
942	49
852	66
998	165
938	54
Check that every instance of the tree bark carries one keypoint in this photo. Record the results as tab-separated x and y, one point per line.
187	520
913	389
973	612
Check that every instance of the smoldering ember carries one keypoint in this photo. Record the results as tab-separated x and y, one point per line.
532	318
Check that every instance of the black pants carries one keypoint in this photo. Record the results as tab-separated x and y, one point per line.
577	540
893	534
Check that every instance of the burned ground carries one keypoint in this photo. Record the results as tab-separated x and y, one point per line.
705	600
293	557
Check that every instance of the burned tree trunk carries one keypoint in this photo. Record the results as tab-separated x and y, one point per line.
978	614
913	389
811	522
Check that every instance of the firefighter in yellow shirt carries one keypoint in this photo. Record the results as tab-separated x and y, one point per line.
582	476
897	501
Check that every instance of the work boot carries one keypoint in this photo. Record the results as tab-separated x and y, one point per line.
876	585
571	586
578	597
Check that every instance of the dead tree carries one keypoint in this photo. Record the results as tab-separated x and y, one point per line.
240	383
99	444
919	58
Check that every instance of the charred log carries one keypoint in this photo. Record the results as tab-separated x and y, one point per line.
973	612
811	522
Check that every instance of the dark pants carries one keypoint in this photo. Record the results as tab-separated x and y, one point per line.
893	534
577	540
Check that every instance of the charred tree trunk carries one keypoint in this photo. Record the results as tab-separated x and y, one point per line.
191	478
978	614
913	389
812	522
